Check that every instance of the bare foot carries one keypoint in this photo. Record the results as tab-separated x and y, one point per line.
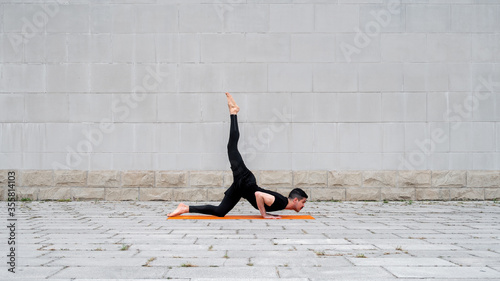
233	107
181	209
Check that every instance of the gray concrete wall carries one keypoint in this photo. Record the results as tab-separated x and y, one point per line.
323	85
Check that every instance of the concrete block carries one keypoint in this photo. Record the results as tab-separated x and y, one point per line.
393	136
139	107
345	178
448	47
190	49
100	48
245	17
370	135
336	18
245	77
385	17
310	179
13	17
492	194
88	193
123	19
27	192
54	193
47	108
205	178
90	107
415	76
312	48
122	194
70	178
12	47
427	18
414	178
379	178
189	194
485	47
432	193
380	77
436	77
483	136
192	138
144	48
350	48
155	194
459	77
104	178
171	179
12	107
290	77
451	178
415	135
14	77
484	108
362	194
111	77
222	47
466	193
483	179
171	107
370	161
156	18
276	178
483	161
268	47
67	78
215	194
101	18
208	76
393	105
262	108
403	47
291	18
327	194
348	137
227	178
338	77
70	18
436	104
37	178
55	48
200	18
398	193
138	178
34	47
324	137
475	18
302	138
167	47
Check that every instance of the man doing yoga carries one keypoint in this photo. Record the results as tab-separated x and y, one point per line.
244	184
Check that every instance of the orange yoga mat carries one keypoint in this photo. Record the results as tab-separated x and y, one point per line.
242	217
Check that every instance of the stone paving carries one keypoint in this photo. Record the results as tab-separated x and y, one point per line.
347	241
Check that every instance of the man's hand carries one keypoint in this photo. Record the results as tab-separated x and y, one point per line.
269	216
263	199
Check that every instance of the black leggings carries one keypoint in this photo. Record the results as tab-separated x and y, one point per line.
241	177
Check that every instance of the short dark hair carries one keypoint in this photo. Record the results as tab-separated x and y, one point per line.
297	193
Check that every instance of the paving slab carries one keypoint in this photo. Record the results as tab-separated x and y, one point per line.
347	241
444	272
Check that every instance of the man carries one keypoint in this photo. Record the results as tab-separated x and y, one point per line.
244	184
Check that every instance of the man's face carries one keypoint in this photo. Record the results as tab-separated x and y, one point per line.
299	204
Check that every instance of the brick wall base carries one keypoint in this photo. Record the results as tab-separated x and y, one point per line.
210	185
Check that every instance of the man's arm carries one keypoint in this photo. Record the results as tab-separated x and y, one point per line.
263	199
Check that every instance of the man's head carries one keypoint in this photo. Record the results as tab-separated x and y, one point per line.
298	197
